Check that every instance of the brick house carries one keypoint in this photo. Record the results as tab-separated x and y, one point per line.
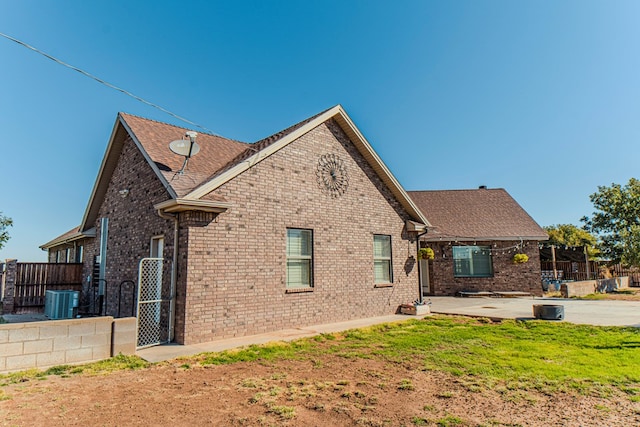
474	235
304	227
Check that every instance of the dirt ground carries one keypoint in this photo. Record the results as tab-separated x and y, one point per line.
326	391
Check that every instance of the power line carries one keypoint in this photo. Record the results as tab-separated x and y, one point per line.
109	85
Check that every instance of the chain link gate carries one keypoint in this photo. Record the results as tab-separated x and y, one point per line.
153	314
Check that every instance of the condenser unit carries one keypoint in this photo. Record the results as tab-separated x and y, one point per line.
61	304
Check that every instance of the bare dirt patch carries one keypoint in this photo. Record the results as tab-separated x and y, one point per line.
327	391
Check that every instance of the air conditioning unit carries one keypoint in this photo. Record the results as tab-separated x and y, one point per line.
61	304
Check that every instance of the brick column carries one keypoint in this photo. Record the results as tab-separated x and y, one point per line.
9	285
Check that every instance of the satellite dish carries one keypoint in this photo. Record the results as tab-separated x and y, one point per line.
183	147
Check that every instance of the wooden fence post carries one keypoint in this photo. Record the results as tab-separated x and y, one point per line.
9	286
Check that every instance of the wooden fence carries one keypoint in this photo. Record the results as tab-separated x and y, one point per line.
577	271
33	279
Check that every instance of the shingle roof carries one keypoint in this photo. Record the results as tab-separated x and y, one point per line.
215	152
219	160
69	236
489	214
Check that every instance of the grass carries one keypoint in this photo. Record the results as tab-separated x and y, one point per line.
522	355
510	355
117	363
593	297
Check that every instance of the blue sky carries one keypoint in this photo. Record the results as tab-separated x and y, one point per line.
541	98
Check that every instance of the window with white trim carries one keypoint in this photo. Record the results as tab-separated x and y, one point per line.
157	247
472	261
299	258
382	263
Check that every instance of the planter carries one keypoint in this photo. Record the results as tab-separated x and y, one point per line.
548	312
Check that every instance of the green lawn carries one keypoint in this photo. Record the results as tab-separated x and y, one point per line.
540	355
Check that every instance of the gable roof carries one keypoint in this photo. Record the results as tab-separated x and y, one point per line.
219	160
273	144
152	140
68	237
482	214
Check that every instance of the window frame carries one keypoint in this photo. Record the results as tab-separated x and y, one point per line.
299	257
79	255
383	258
457	271
155	247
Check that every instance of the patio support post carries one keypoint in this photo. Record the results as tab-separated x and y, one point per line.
586	260
553	258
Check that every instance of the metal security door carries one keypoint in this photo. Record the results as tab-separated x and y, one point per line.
150	304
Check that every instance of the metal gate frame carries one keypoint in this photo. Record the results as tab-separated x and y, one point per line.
149	310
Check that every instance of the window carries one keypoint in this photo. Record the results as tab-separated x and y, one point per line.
299	258
472	261
67	255
79	253
382	266
157	247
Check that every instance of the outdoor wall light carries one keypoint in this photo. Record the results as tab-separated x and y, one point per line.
124	192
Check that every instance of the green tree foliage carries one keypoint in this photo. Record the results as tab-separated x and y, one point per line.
4	223
570	235
616	220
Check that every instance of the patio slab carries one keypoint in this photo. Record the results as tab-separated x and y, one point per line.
587	312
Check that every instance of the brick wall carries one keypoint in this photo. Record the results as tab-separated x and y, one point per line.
63	342
73	247
132	223
507	276
234	283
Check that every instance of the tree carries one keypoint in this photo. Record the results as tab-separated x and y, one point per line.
570	235
616	220
4	223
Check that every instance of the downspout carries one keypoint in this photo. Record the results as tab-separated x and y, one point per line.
174	271
420	301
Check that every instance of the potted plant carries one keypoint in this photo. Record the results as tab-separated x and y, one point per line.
520	258
425	253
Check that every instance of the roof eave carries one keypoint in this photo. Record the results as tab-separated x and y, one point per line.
437	238
183	205
71	238
108	165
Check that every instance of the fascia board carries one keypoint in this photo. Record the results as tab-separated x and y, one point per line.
180	205
435	238
114	148
101	172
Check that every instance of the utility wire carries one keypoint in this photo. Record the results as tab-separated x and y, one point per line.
99	80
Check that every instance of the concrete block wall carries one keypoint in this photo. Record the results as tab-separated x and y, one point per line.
124	336
64	342
586	287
